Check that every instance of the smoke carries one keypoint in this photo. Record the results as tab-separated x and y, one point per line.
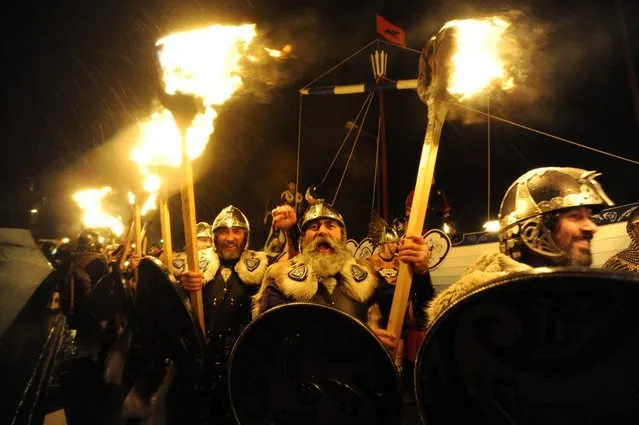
550	59
318	44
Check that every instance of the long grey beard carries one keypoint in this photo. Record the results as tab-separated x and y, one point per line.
325	264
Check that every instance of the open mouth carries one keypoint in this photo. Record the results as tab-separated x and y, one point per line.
324	247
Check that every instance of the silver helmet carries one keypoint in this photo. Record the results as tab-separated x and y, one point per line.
321	209
203	230
534	199
230	217
380	232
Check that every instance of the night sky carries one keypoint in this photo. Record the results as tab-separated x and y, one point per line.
77	76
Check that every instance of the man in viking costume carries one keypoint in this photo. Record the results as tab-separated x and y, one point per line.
628	259
326	273
546	221
204	236
386	262
231	275
88	398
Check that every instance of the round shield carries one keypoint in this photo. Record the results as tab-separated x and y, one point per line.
549	346
110	297
310	364
165	316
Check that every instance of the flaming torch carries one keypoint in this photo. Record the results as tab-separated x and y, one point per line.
151	185
463	59
93	214
126	241
199	69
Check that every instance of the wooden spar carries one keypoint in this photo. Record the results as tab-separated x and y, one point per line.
383	158
190	235
436	116
144	237
127	244
165	224
138	230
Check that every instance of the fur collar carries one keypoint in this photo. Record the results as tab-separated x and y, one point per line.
298	282
489	266
250	267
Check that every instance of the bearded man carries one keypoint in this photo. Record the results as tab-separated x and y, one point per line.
231	274
326	273
546	221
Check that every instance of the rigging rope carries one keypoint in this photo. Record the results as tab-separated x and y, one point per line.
561	139
338	65
379	129
488	142
299	145
368	96
359	132
401	47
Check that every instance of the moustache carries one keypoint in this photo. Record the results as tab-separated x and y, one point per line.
585	236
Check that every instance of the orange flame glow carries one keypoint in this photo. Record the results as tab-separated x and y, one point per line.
478	59
151	184
93	214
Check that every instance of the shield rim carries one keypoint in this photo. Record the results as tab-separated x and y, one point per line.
299	304
183	298
628	278
449	245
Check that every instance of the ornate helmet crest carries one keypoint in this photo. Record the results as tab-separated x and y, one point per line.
230	217
380	232
321	209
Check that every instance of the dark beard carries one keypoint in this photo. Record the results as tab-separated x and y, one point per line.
325	264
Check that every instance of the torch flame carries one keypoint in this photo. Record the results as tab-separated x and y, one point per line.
151	184
150	204
94	216
478	59
286	50
205	62
131	197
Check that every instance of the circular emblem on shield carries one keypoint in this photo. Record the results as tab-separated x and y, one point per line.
305	363
165	315
438	244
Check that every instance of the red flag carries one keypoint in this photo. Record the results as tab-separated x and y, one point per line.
390	32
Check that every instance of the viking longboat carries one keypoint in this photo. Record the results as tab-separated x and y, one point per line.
450	256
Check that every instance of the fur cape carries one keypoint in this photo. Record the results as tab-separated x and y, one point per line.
250	268
489	266
299	282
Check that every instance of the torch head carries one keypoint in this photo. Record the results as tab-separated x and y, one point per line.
465	58
435	65
183	107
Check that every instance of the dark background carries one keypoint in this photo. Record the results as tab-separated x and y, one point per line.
77	76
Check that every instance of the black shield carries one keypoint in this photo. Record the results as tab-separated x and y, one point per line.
111	297
554	347
311	364
165	316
